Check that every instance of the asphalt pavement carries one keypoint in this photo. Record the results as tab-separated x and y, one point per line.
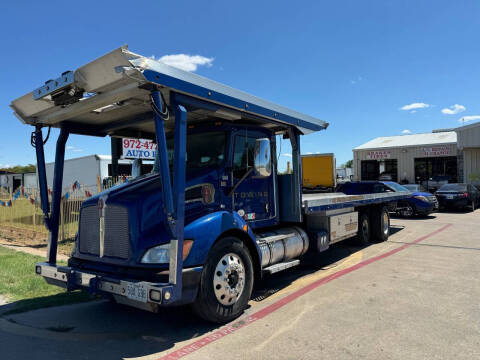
414	296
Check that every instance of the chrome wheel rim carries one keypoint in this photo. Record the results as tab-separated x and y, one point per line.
385	222
365	229
407	212
229	279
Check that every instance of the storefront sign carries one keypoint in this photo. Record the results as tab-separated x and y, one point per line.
378	155
138	149
437	151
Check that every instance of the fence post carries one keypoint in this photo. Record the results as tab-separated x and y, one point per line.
11	205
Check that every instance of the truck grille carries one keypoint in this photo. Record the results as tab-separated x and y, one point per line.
116	235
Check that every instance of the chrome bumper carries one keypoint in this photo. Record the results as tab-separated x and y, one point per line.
71	279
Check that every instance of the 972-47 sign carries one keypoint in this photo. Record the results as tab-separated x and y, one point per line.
138	149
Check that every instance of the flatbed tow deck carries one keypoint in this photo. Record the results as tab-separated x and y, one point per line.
203	233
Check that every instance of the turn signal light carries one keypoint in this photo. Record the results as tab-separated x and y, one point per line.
187	246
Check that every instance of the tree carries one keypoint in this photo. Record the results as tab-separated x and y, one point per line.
21	169
348	164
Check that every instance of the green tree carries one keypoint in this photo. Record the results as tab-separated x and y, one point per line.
348	164
20	169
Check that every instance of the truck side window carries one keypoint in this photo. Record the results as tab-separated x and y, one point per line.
243	153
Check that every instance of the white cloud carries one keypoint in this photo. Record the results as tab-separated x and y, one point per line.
469	118
413	111
286	155
454	109
5	166
406	131
186	62
414	106
74	149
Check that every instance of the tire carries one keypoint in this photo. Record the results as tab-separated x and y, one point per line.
221	295
408	212
380	224
364	230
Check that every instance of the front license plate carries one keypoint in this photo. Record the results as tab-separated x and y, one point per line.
137	292
450	197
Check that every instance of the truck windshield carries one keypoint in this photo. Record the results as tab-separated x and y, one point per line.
204	150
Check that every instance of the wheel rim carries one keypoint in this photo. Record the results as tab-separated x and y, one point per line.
407	211
365	229
385	222
229	279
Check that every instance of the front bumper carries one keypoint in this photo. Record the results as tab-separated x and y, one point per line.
157	293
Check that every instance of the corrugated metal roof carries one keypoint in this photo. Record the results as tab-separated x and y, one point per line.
449	137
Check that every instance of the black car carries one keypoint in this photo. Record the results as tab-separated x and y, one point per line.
458	196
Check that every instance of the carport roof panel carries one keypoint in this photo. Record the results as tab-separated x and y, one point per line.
440	138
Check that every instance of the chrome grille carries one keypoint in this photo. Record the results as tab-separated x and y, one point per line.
116	235
89	234
117	241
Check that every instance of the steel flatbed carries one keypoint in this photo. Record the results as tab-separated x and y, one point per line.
312	203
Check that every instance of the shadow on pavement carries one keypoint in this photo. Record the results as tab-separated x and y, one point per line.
114	331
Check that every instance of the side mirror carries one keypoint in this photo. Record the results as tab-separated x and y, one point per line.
263	158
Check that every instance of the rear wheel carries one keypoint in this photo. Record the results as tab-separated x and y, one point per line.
363	235
226	283
380	224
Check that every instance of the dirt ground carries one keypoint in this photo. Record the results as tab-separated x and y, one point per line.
32	242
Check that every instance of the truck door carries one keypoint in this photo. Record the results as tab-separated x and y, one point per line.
254	197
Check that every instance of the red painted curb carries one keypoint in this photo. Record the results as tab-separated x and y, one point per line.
198	344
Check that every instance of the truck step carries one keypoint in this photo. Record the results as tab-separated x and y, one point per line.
281	266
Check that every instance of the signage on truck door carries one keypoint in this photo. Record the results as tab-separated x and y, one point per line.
138	149
437	151
378	155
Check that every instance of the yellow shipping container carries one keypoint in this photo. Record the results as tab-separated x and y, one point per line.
318	171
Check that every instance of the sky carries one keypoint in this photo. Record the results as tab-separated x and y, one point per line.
369	68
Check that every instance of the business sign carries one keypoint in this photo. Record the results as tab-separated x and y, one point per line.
138	149
378	155
437	150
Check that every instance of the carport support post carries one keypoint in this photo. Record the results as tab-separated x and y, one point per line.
42	175
176	252
56	196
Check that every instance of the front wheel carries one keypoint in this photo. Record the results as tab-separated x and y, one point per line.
226	283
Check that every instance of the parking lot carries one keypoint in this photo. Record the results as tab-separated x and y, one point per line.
414	296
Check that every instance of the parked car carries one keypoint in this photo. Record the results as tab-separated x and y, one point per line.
420	203
436	182
458	196
419	192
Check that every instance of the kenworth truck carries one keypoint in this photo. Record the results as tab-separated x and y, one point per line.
213	216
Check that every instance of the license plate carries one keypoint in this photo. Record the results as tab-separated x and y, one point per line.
137	292
450	197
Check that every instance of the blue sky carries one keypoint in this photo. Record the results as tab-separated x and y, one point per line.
355	64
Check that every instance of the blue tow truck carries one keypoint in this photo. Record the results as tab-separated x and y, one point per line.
213	217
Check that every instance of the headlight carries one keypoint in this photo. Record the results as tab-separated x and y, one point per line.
161	254
421	198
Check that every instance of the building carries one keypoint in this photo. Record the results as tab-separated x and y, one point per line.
14	180
416	158
468	143
90	171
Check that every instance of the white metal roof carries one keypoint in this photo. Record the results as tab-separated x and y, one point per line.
448	137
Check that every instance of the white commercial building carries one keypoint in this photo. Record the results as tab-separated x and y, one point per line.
468	142
415	158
